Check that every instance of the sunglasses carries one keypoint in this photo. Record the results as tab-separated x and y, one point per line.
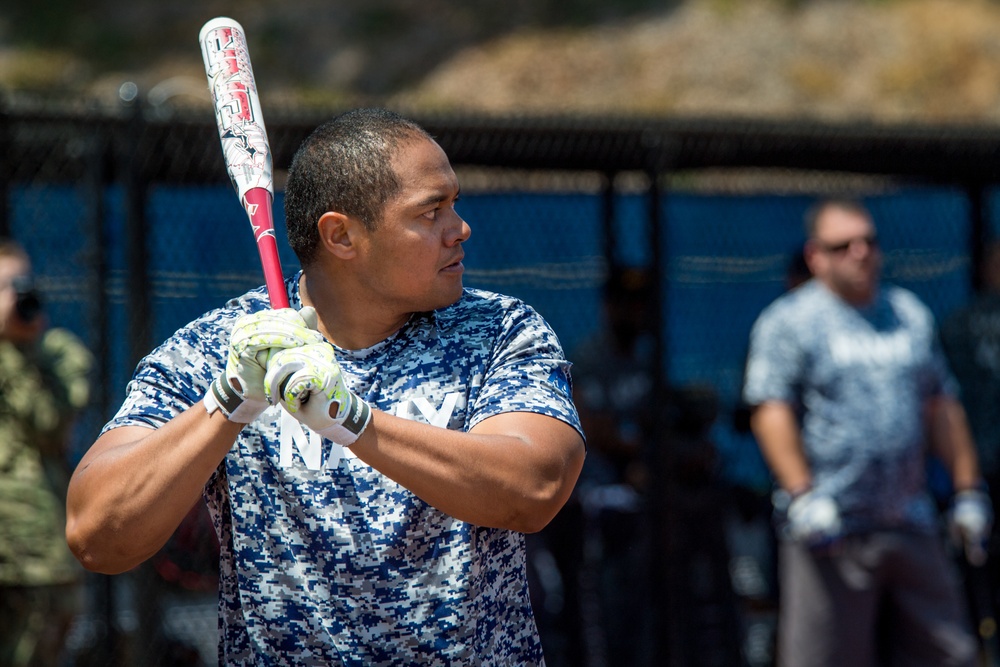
841	248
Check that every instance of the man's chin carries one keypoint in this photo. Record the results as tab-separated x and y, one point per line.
863	293
445	299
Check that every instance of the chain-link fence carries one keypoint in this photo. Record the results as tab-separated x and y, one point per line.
134	230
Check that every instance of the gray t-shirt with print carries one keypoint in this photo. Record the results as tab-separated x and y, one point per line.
858	380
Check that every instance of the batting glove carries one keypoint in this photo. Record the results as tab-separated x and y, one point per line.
308	383
239	390
813	519
970	521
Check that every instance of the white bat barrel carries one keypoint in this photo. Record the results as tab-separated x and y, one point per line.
244	140
237	106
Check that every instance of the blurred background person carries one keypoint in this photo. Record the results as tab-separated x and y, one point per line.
44	383
970	338
850	389
971	341
613	378
595	543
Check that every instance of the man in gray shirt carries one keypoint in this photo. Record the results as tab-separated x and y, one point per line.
849	391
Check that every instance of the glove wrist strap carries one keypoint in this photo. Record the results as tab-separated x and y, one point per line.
221	396
347	432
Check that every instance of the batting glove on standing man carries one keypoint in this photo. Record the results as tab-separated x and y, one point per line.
812	518
308	383
970	521
238	392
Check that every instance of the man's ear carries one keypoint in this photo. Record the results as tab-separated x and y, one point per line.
813	255
336	234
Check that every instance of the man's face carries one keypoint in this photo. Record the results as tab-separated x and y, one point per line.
845	255
413	259
11	325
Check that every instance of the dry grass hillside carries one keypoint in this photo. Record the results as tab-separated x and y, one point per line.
884	60
936	60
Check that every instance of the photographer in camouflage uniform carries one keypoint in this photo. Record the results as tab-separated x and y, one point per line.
44	384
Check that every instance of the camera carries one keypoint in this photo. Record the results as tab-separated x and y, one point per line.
28	305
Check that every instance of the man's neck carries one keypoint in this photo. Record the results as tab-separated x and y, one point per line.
345	321
855	298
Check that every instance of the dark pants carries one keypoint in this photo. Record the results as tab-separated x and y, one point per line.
880	599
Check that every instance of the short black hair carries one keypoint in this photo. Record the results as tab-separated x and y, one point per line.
344	165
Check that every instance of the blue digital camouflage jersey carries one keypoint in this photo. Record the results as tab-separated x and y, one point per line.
326	561
859	379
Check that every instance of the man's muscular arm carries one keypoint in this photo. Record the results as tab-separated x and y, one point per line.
513	470
134	486
777	432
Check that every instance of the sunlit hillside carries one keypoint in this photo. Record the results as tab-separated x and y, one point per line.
886	60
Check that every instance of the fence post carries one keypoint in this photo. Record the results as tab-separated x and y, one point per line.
97	178
979	233
6	168
661	560
608	210
140	325
138	279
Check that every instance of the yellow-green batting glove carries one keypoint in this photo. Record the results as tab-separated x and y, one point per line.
308	383
238	392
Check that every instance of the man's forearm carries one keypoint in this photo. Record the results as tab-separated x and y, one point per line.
512	471
951	440
134	486
777	432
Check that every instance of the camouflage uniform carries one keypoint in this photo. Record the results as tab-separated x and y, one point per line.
42	388
324	560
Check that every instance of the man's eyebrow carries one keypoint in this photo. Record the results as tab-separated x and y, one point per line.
437	198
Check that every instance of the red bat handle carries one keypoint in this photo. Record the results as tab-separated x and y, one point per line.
257	203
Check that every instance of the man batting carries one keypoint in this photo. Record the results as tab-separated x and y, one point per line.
372	455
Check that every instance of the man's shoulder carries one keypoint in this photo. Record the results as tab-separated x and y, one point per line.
208	334
60	338
798	305
482	298
478	307
906	302
67	349
222	317
900	294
